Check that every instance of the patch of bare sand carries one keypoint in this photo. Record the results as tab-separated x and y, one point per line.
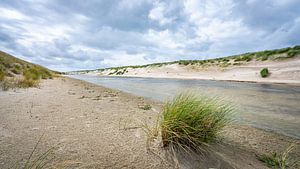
95	127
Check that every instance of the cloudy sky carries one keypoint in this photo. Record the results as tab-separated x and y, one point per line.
71	35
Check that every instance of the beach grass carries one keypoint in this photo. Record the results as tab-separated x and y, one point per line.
39	161
17	73
264	72
280	160
190	121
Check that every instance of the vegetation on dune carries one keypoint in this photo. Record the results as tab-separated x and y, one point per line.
17	73
264	72
36	73
2	75
190	121
276	54
12	83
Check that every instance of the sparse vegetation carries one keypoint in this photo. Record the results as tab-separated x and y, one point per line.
279	160
264	72
41	161
146	107
17	73
276	54
2	75
12	83
191	121
246	58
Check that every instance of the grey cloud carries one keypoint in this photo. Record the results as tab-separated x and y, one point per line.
269	14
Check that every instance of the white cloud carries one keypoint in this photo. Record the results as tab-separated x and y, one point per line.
164	39
6	13
158	14
120	58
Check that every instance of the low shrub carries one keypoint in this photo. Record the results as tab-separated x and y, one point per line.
190	121
264	72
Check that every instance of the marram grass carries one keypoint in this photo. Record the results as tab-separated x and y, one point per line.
191	121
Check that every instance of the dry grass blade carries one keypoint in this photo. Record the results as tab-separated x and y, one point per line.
41	160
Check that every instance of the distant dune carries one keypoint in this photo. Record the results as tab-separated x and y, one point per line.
283	65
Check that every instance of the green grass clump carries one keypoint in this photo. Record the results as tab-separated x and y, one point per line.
264	72
191	121
32	74
36	73
264	57
293	53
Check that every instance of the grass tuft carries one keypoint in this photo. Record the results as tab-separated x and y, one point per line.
146	107
190	121
264	72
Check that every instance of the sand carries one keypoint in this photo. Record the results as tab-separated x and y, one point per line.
286	71
95	127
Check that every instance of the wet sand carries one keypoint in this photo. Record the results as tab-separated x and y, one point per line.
95	127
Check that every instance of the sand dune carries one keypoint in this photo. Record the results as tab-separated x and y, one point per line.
287	71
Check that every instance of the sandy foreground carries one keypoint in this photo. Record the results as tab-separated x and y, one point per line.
287	71
90	126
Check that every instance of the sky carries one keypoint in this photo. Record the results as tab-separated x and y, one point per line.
67	35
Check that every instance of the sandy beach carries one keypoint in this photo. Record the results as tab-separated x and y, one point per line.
285	72
95	127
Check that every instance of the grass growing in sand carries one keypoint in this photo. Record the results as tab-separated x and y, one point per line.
17	73
280	160
40	161
146	107
264	72
12	83
191	121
